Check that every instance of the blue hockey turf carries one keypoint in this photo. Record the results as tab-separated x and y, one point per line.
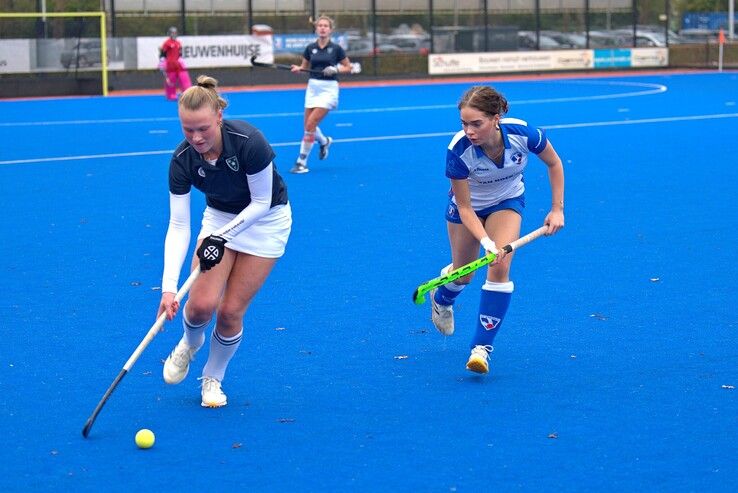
615	371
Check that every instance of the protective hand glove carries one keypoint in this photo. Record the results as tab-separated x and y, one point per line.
211	252
330	70
355	68
489	245
182	65
162	64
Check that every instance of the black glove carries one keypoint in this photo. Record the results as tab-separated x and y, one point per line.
211	252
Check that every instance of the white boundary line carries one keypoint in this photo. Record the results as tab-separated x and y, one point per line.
390	137
648	89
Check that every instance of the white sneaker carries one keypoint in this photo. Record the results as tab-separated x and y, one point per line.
178	363
299	168
212	393
442	316
478	360
324	148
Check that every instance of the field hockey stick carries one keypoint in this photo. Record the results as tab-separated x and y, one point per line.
145	342
355	67
281	66
420	292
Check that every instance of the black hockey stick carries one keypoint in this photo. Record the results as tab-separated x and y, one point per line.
281	66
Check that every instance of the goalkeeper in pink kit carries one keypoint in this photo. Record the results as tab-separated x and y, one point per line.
172	66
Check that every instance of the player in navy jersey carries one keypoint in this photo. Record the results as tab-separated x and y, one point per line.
245	227
485	163
321	95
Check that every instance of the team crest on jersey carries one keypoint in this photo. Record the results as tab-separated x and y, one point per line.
517	158
232	163
201	171
489	323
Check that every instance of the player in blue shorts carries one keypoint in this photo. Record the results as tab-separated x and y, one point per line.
245	227
321	94
485	163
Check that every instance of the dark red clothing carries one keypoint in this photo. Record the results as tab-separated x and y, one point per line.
172	51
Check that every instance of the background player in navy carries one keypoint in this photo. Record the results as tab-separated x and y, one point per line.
485	163
244	231
321	95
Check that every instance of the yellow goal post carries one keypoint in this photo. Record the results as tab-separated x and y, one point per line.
103	36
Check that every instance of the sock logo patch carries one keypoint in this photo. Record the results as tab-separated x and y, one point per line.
489	322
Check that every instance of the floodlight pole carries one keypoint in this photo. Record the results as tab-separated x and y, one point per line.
731	19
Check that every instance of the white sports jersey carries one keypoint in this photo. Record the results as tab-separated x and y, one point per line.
489	183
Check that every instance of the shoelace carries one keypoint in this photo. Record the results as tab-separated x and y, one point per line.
487	349
181	356
210	384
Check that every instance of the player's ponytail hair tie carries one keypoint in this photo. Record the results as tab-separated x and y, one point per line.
193	99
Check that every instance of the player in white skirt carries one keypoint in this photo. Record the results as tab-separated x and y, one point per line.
321	95
244	231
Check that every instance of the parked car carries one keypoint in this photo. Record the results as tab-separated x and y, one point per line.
361	47
607	39
527	41
698	35
648	38
410	43
85	53
567	40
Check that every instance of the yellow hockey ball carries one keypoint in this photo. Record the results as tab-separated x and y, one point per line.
145	438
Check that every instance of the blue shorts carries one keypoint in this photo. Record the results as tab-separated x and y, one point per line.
516	204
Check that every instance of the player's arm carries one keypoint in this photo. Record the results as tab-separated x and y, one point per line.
303	66
176	243
468	217
344	66
555	218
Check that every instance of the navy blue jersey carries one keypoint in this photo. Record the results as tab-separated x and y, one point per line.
320	58
225	185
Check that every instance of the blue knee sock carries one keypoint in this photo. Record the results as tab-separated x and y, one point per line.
493	304
446	294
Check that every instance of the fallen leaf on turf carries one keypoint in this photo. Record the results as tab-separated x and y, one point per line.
236	445
285	420
280	328
727	387
655	279
598	316
401	356
54	452
553	435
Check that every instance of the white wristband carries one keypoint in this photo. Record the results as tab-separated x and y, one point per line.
489	245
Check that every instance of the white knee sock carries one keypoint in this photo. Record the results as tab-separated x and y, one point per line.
222	350
320	137
194	335
306	146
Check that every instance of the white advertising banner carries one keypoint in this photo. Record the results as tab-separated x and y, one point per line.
209	51
15	56
509	61
649	57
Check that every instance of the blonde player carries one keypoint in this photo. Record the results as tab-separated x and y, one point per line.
245	228
321	96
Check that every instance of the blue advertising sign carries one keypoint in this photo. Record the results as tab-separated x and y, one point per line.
612	58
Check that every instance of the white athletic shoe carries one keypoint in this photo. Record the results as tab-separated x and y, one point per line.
324	148
178	363
212	393
478	360
442	316
299	168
